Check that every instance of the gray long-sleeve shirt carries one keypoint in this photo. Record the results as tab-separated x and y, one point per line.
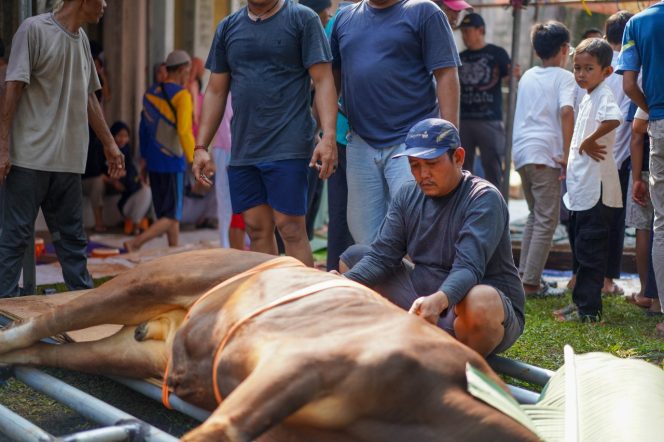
456	242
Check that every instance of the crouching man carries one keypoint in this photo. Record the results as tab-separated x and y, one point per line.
455	228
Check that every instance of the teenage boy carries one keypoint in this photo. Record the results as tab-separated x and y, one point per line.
543	126
593	188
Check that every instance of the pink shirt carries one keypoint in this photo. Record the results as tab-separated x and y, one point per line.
222	139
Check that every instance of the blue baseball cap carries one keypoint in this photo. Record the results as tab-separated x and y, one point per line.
430	138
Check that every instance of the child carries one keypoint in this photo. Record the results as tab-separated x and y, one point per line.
543	125
136	198
593	187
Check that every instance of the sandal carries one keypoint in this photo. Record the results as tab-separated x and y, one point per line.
639	300
571	314
616	290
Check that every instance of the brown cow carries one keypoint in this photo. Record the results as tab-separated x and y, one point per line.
338	364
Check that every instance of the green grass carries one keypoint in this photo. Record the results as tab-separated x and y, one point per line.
625	332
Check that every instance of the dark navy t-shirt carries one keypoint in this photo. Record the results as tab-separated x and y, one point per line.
480	78
268	61
386	57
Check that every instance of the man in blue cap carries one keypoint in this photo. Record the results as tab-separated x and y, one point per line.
455	228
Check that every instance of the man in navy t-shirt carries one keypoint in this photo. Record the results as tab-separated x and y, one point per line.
484	67
267	55
387	54
643	50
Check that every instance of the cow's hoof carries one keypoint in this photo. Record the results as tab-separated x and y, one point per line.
141	332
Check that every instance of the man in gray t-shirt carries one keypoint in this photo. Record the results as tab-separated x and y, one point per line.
49	100
455	228
267	55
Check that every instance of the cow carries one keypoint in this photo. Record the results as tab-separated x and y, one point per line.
275	350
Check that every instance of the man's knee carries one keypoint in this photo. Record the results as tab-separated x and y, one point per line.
292	228
481	312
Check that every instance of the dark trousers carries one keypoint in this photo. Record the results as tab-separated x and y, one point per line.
651	286
617	228
60	197
590	243
338	235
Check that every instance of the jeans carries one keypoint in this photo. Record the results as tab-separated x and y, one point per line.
338	235
60	197
541	187
224	208
656	132
373	178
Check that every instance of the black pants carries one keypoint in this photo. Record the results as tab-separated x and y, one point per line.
617	228
338	235
590	244
60	197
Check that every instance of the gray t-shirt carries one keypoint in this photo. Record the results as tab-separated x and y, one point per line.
268	61
456	242
50	127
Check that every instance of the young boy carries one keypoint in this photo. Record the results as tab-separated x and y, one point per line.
543	126
593	187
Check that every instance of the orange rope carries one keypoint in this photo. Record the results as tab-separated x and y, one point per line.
282	261
299	294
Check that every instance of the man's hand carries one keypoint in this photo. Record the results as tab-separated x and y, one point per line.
640	193
5	163
326	153
203	168
430	307
563	168
595	151
115	161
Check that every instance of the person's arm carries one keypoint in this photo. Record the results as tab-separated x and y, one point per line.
325	101
13	92
114	158
387	250
632	89
214	103
447	91
589	145
639	187
567	126
185	112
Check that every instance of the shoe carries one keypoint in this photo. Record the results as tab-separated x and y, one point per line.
546	291
571	314
616	290
639	300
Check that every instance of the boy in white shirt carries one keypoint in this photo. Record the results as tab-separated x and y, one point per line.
543	126
593	187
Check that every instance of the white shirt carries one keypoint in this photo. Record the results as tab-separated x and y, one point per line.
587	179
624	131
537	136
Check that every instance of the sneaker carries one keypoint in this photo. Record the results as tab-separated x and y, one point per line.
546	291
571	313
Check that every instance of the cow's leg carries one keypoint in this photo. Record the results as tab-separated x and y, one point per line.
272	392
119	354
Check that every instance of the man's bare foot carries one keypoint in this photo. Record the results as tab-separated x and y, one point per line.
571	283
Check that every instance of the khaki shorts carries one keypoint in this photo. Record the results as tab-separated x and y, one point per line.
636	215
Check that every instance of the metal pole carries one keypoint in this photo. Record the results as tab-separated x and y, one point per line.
87	406
520	370
516	34
19	429
24	9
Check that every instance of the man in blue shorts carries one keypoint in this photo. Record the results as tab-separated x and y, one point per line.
387	54
643	50
455	228
267	54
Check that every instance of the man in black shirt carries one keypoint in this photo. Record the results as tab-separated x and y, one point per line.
481	120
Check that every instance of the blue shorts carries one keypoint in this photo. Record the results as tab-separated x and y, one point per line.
167	194
282	185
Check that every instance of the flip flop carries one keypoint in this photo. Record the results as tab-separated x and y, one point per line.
638	300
